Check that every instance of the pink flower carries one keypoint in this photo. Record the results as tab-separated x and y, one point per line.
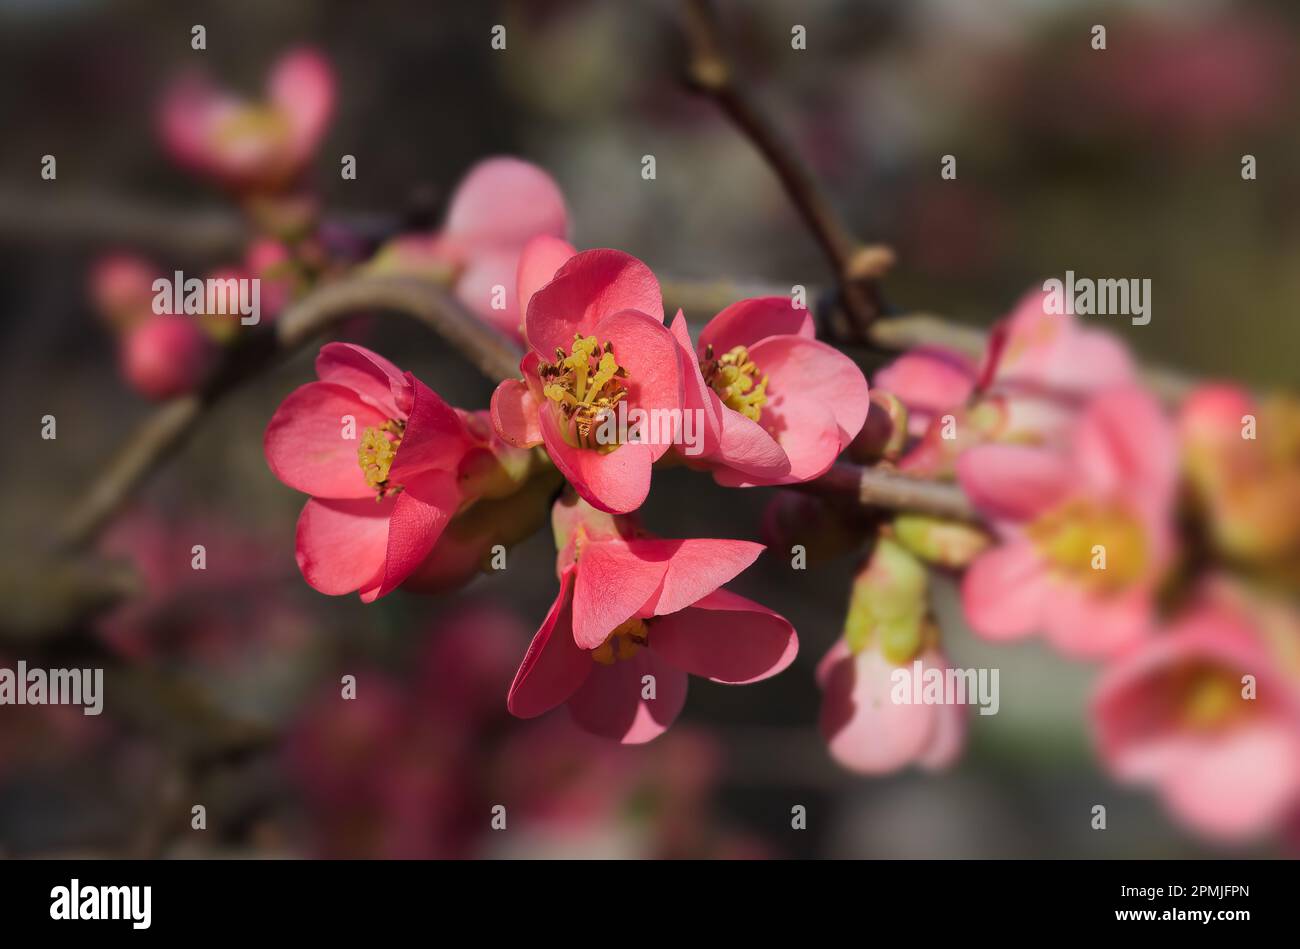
870	723
1177	714
166	356
867	731
1086	531
498	207
778	406
633	606
380	453
121	289
246	145
1241	460
1036	369
596	339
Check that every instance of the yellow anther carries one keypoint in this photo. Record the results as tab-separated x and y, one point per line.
585	384
376	453
735	377
623	643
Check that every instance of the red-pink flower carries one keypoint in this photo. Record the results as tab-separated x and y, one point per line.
778	406
867	731
1180	714
252	145
635	614
380	453
499	206
1086	531
596	339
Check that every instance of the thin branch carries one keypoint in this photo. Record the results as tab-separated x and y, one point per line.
892	490
856	266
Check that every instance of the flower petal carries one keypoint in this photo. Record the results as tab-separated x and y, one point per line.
929	380
302	85
614	582
1006	592
435	436
1014	482
590	286
554	667
539	261
506	201
616	482
341	544
372	377
746	322
514	413
610	703
726	638
419	516
809	370
697	566
305	445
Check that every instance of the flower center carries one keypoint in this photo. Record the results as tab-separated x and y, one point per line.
586	384
623	643
1208	697
1103	547
252	125
735	378
376	453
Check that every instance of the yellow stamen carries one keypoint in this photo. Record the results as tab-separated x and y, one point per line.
586	384
1079	536
733	377
250	124
1208	696
623	643
376	453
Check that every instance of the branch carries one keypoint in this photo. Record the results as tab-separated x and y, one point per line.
891	490
166	430
856	266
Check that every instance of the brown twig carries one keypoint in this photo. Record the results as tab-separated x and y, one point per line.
856	266
891	490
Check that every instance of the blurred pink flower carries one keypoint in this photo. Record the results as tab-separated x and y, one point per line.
888	628
1242	459
778	405
245	145
1036	369
866	731
1177	714
1087	532
601	319
499	206
630	606
166	356
379	453
121	288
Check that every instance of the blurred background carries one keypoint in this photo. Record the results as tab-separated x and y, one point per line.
1123	162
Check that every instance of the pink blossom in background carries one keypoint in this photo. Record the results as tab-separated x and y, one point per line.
632	605
166	356
255	146
596	339
1176	714
499	206
779	406
1036	370
1113	487
121	288
866	731
887	628
382	489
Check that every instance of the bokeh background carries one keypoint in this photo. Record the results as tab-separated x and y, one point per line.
1119	163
